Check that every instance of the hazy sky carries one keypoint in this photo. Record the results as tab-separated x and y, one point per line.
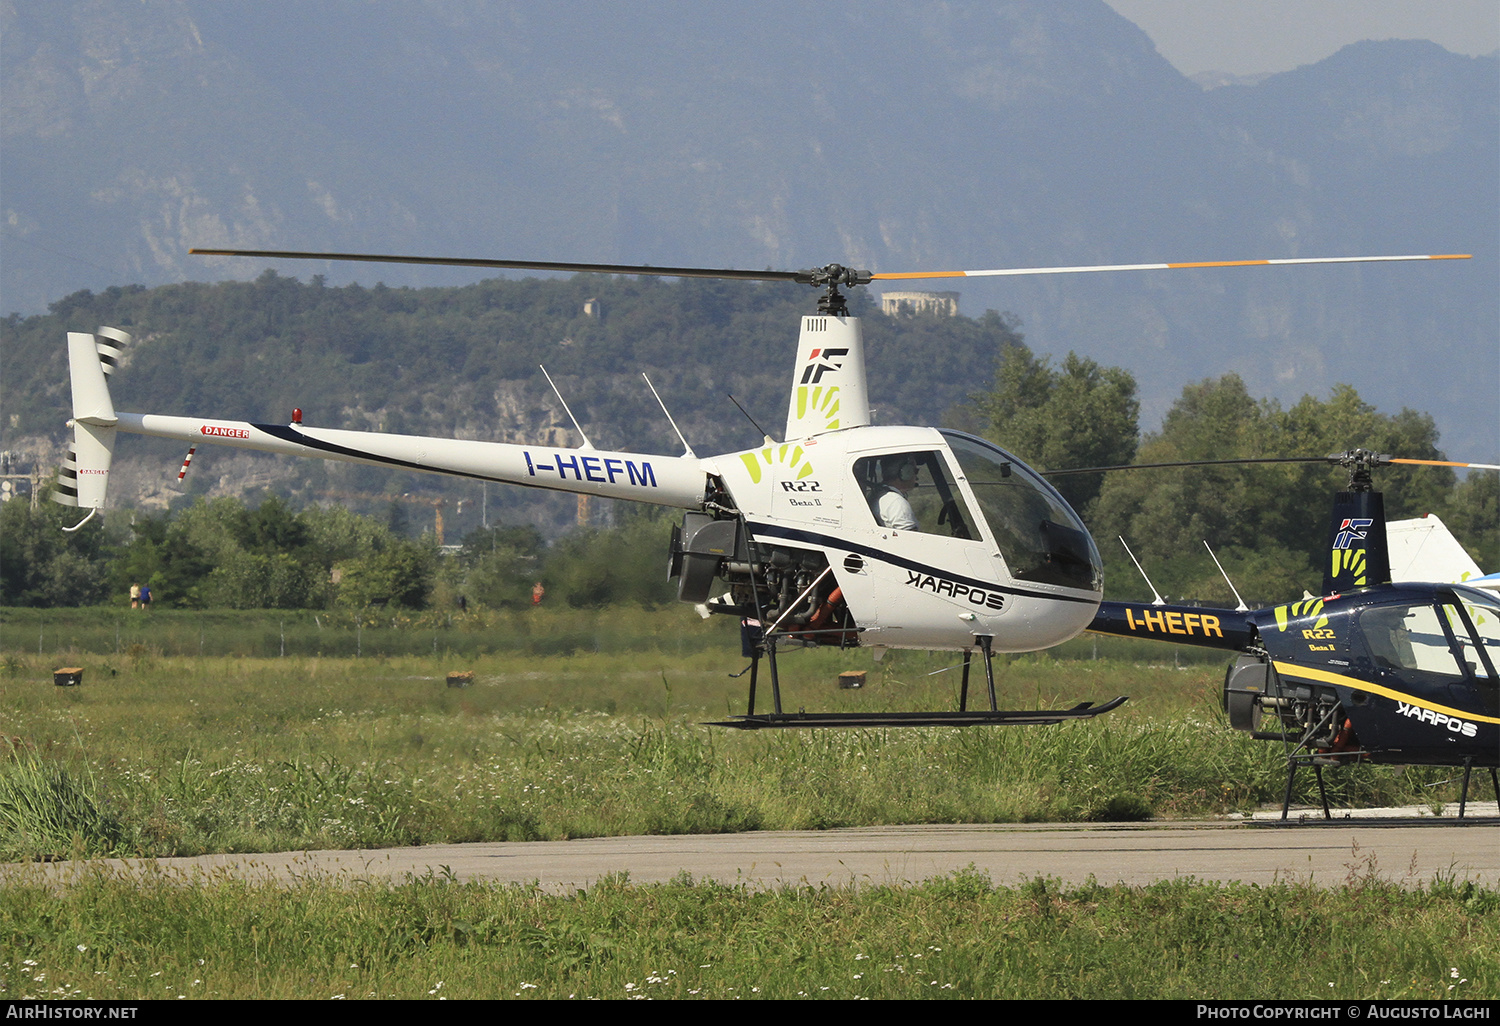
1245	37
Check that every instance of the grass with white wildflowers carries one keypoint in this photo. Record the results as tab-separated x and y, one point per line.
153	935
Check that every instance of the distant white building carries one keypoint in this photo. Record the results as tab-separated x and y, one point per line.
942	304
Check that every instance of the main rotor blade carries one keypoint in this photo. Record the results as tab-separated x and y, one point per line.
1448	463
898	275
832	274
1335	459
520	265
1185	463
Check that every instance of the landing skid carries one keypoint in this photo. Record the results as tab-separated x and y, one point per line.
963	716
1040	717
1317	761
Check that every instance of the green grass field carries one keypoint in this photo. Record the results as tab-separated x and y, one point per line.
161	754
585	724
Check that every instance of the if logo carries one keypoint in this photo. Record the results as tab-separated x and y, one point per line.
1350	531
821	360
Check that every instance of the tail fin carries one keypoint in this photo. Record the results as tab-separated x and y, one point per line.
1358	553
84	478
1423	549
828	389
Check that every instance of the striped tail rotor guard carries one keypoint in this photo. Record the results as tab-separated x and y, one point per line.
65	493
112	343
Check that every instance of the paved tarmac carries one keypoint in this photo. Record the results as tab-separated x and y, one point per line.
1407	852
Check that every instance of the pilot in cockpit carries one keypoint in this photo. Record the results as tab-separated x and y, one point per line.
889	502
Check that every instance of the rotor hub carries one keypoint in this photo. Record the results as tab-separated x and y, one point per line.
829	277
1360	463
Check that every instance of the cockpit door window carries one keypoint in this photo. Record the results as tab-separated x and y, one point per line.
915	491
1411	637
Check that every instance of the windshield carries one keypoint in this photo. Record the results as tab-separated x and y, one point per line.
1479	640
1039	535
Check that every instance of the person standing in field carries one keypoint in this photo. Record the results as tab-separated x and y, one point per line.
135	595
537	591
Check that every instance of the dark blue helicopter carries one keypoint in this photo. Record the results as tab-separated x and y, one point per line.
1373	671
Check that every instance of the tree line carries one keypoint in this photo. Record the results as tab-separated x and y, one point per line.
1267	524
224	553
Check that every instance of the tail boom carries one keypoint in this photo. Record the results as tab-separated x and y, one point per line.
678	481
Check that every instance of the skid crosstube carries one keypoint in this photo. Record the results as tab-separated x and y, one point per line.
954	718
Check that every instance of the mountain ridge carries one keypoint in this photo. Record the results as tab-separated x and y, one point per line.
899	136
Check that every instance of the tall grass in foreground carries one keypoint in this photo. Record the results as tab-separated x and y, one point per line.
159	936
47	812
160	756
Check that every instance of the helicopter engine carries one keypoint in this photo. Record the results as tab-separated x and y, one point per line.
1309	715
769	583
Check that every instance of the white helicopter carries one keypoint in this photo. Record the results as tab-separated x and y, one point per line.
842	533
1423	549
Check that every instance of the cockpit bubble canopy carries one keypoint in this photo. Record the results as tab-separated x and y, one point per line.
1039	536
